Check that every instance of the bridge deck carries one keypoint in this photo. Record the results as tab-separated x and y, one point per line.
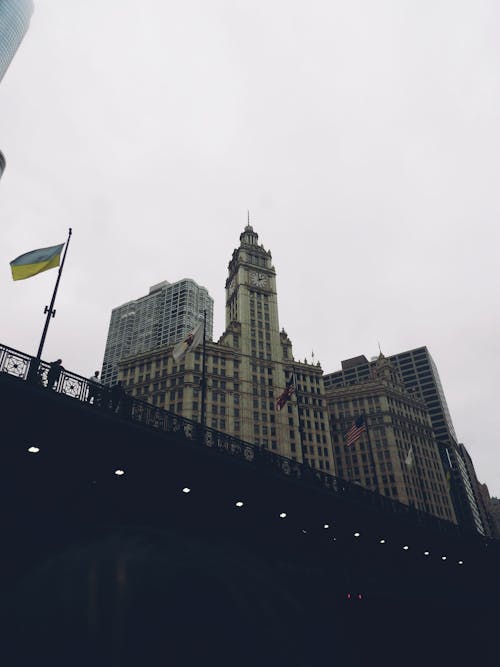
82	545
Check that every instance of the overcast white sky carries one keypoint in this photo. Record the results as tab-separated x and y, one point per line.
363	136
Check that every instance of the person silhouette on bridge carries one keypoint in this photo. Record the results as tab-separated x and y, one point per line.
95	390
117	396
54	373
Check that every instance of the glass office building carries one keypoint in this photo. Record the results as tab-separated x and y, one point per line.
164	316
15	16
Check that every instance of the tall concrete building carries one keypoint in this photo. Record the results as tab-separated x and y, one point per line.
397	455
494	510
164	316
247	370
486	506
15	16
420	377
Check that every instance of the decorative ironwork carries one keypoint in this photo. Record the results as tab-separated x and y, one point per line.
76	387
15	365
70	386
248	453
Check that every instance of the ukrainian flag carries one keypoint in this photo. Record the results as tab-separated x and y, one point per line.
36	261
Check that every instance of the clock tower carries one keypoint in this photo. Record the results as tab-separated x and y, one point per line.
247	369
252	312
300	430
251	294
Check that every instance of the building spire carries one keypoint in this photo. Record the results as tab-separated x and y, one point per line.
248	235
248	227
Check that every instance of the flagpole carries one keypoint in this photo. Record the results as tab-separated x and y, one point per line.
372	458
204	373
50	310
301	423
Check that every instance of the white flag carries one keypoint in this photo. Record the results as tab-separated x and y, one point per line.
191	341
409	458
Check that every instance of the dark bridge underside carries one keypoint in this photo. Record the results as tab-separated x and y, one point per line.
105	569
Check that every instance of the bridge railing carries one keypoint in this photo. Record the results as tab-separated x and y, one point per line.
75	386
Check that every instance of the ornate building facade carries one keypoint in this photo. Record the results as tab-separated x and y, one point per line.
421	378
397	455
246	370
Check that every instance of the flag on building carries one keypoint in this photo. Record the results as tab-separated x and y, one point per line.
191	341
36	261
287	393
356	431
409	458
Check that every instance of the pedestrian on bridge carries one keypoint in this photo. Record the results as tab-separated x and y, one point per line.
117	396
95	389
54	373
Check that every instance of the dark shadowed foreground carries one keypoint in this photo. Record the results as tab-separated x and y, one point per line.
193	556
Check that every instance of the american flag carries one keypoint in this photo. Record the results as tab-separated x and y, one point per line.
356	431
287	392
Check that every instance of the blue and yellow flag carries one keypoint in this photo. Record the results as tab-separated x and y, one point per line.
36	261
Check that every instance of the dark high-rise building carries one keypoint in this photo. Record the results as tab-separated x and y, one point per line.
494	510
420	377
2	164
15	16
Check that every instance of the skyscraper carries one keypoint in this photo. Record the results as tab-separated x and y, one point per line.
420	377
247	370
397	455
164	316
15	18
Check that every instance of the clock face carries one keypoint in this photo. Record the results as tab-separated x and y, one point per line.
258	279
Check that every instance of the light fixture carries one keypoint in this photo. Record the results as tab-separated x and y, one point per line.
239	503
406	547
426	553
460	562
326	525
119	472
33	449
382	541
282	515
186	489
357	534
304	531
443	557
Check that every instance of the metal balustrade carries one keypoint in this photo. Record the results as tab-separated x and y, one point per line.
99	397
